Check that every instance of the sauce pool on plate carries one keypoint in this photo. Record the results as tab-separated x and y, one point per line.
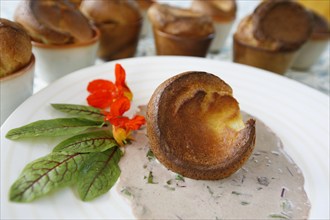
269	185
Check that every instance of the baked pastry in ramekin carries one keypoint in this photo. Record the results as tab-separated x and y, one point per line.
270	37
179	31
120	23
63	40
16	67
15	47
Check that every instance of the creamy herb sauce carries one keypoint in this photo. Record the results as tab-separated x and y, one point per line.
269	185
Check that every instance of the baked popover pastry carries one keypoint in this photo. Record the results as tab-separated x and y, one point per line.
54	22
195	127
119	21
270	37
223	13
15	47
179	31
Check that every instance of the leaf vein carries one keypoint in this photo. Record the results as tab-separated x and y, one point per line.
101	170
36	181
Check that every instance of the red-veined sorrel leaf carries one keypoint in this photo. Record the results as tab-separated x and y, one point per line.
53	127
98	174
80	110
98	141
46	174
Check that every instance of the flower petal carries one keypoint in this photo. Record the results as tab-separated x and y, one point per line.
100	99
120	135
120	106
120	75
135	123
100	84
119	121
121	81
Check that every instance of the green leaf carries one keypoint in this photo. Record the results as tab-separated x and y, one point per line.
98	174
44	175
98	141
52	128
80	110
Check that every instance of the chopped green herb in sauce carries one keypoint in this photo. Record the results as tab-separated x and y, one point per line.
179	177
151	178
279	216
126	191
150	155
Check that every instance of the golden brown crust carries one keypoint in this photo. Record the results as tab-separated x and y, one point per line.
179	21
195	128
272	60
111	12
244	34
283	21
15	47
219	10
53	21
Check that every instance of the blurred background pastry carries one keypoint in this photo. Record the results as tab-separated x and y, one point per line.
144	5
316	45
179	31
63	39
223	13
16	67
53	22
270	37
15	47
120	23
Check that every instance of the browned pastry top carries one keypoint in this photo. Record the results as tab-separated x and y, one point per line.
195	127
112	12
283	21
244	34
220	10
15	47
179	21
53	21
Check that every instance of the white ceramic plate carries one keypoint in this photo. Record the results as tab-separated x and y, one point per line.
297	113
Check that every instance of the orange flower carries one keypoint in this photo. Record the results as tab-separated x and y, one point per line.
104	92
117	97
122	128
